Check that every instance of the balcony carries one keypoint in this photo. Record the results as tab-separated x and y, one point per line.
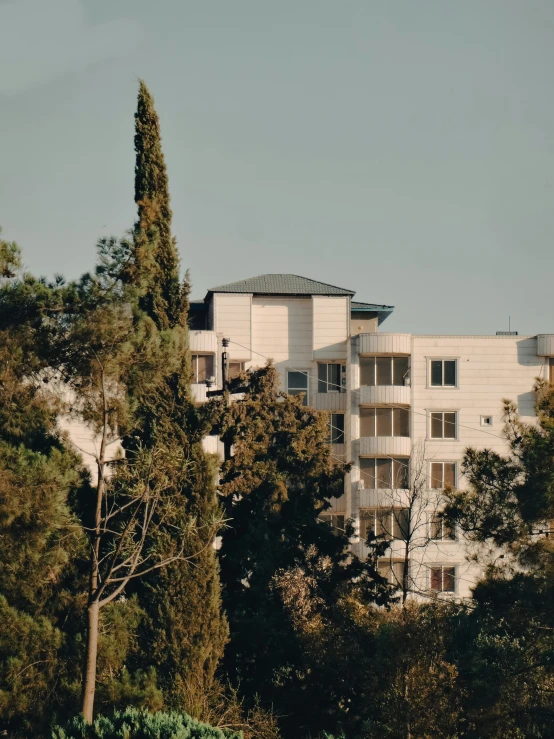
203	341
387	446
545	345
385	343
385	394
329	401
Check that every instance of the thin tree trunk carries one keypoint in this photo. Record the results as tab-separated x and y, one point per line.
90	669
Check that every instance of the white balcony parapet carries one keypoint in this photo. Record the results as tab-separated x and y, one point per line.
394	446
203	341
386	394
198	392
385	344
329	401
545	345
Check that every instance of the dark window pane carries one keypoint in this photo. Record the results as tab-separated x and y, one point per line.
450	372
367	421
205	365
321	378
343	378
367	472
448	579
436	578
367	371
436	527
436	475
384	370
384	421
436	372
401	476
449	425
383	473
384	523
448	532
398	573
401	524
401	418
235	368
436	425
367	524
400	370
298	381
551	369
449	474
333	375
337	428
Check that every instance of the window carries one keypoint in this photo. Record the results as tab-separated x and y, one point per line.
439	529
384	474
336	428
297	383
443	425
331	378
392	570
202	367
234	369
383	370
443	372
336	520
443	579
384	422
443	474
384	522
551	369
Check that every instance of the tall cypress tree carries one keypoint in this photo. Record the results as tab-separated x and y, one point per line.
186	631
157	259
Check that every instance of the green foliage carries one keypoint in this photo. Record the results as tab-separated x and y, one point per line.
279	478
139	724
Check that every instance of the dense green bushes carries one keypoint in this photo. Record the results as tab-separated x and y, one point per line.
139	724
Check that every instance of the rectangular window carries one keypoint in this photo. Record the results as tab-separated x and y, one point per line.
443	475
385	474
202	367
336	428
443	425
551	368
443	579
331	378
297	384
383	370
234	369
384	422
392	570
336	520
443	372
383	522
439	530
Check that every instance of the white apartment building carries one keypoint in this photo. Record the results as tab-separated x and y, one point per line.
402	407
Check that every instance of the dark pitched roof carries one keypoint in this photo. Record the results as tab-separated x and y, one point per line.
371	307
281	285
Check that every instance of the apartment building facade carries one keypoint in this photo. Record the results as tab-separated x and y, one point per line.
402	408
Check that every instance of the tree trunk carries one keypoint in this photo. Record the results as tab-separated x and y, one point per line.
90	669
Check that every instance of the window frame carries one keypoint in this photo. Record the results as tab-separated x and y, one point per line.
443	567
443	359
392	410
400	461
446	534
394	525
443	437
392	357
194	365
442	462
296	390
328	516
331	387
336	429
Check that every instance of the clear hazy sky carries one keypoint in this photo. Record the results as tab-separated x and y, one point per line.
401	148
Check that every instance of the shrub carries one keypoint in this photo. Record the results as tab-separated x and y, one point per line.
134	723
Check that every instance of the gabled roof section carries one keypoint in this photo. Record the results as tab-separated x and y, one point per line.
354	305
278	284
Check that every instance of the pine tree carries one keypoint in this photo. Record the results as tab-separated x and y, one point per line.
278	480
186	631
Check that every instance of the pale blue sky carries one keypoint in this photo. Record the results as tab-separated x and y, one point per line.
403	149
